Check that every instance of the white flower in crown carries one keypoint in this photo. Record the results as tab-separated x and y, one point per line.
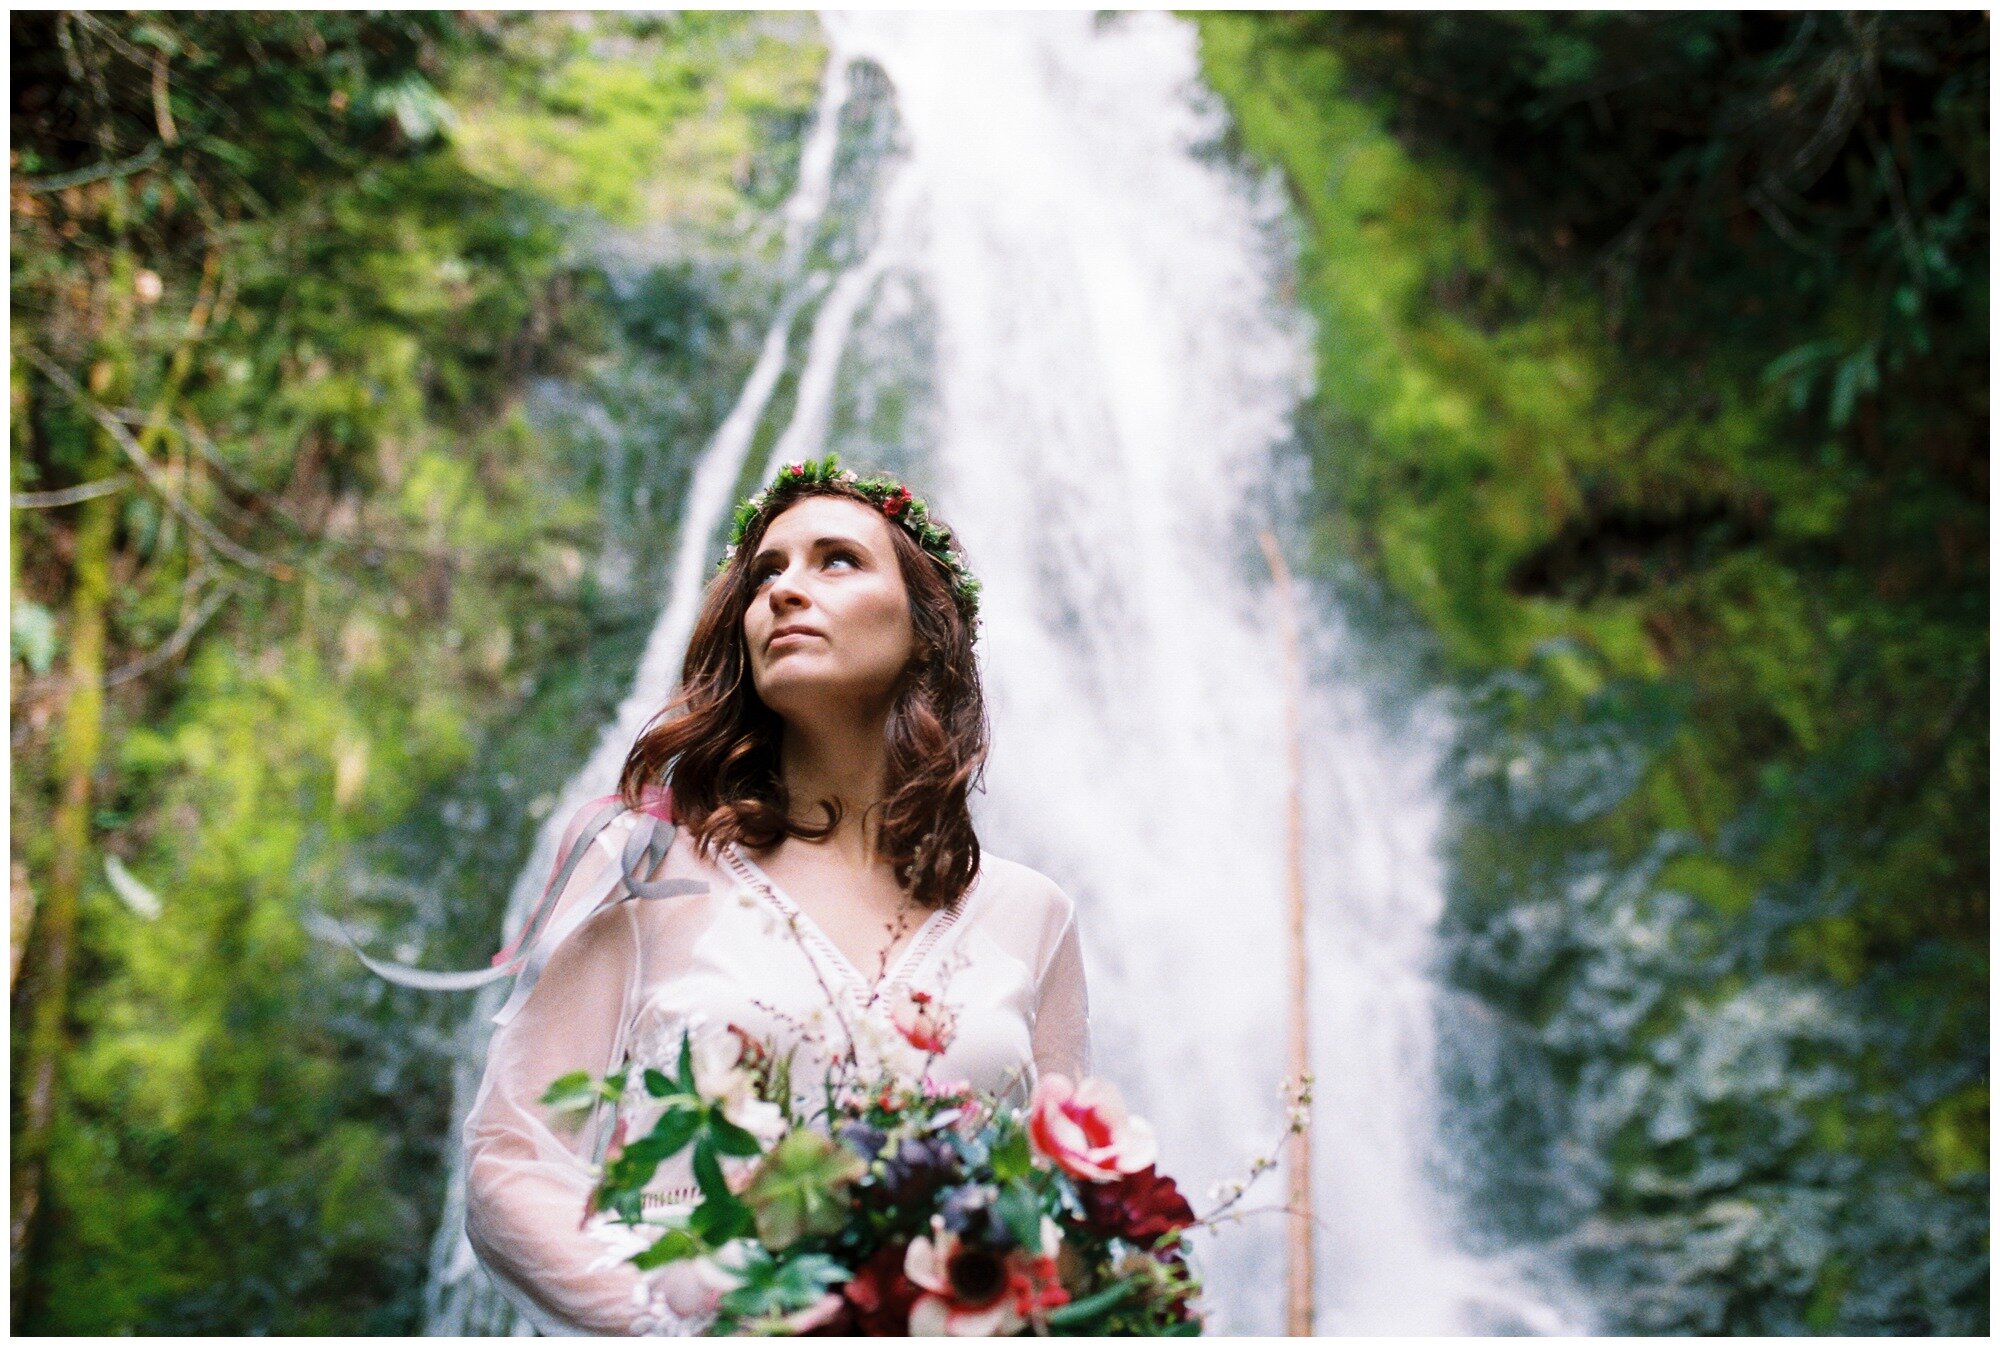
849	475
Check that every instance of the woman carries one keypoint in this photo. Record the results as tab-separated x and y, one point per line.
830	674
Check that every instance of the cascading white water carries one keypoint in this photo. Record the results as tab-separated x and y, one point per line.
1113	384
1115	381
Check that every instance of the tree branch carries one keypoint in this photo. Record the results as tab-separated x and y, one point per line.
69	495
156	479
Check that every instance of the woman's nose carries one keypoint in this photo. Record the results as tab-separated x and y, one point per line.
785	591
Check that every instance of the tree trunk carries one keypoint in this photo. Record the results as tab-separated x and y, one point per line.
43	995
21	909
1299	1295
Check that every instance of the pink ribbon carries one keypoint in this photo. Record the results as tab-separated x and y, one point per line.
655	800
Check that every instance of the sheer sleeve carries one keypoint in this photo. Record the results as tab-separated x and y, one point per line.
1062	1003
528	1172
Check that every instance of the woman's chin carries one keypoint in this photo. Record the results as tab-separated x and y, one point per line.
807	687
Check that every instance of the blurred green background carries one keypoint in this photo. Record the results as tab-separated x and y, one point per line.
1651	414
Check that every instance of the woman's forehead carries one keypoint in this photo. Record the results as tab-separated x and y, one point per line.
818	516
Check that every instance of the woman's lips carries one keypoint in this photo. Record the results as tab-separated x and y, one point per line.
777	641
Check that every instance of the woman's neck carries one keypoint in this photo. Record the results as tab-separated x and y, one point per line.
841	760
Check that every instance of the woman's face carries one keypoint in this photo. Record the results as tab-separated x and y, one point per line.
829	618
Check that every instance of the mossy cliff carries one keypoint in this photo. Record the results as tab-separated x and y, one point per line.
1693	514
356	284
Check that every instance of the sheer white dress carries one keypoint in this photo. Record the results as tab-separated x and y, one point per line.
624	979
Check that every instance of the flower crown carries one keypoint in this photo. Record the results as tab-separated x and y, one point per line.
888	495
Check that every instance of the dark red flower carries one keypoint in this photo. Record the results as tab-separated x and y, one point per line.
894	505
1139	1207
880	1295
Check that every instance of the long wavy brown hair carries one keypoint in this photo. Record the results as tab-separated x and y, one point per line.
715	745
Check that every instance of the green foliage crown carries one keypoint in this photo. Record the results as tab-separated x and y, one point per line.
887	494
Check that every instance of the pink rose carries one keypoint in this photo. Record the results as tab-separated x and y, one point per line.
1084	1129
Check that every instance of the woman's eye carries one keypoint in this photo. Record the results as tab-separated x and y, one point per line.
765	572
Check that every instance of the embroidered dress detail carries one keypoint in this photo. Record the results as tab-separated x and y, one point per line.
681	1196
906	960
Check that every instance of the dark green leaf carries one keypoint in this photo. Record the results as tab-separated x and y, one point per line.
1012	1159
730	1139
773	1287
708	1172
675	1129
577	1090
718	1220
669	1248
1080	1312
1021	1212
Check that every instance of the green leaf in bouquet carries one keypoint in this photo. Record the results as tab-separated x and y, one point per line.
800	1189
708	1172
648	1151
658	1084
573	1093
718	1220
1011	1157
676	1128
730	1139
1021	1212
628	1203
685	1069
774	1286
1080	1314
634	1166
781	1083
671	1247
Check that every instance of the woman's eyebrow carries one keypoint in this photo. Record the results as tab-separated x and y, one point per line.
821	543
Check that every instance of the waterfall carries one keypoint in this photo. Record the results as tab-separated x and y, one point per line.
1069	330
458	1299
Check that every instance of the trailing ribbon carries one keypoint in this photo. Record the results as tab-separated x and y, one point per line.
651	838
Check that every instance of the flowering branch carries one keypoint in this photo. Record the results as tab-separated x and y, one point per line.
1297	1096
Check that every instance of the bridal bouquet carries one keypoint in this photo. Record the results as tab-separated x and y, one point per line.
903	1207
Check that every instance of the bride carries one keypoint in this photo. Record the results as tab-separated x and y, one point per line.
790	853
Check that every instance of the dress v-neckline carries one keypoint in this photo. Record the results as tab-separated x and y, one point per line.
904	959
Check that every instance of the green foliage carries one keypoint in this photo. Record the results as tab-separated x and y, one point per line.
250	1128
1011	1157
1811	185
668	120
1686	487
1083	1315
771	1286
801	1188
579	1091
